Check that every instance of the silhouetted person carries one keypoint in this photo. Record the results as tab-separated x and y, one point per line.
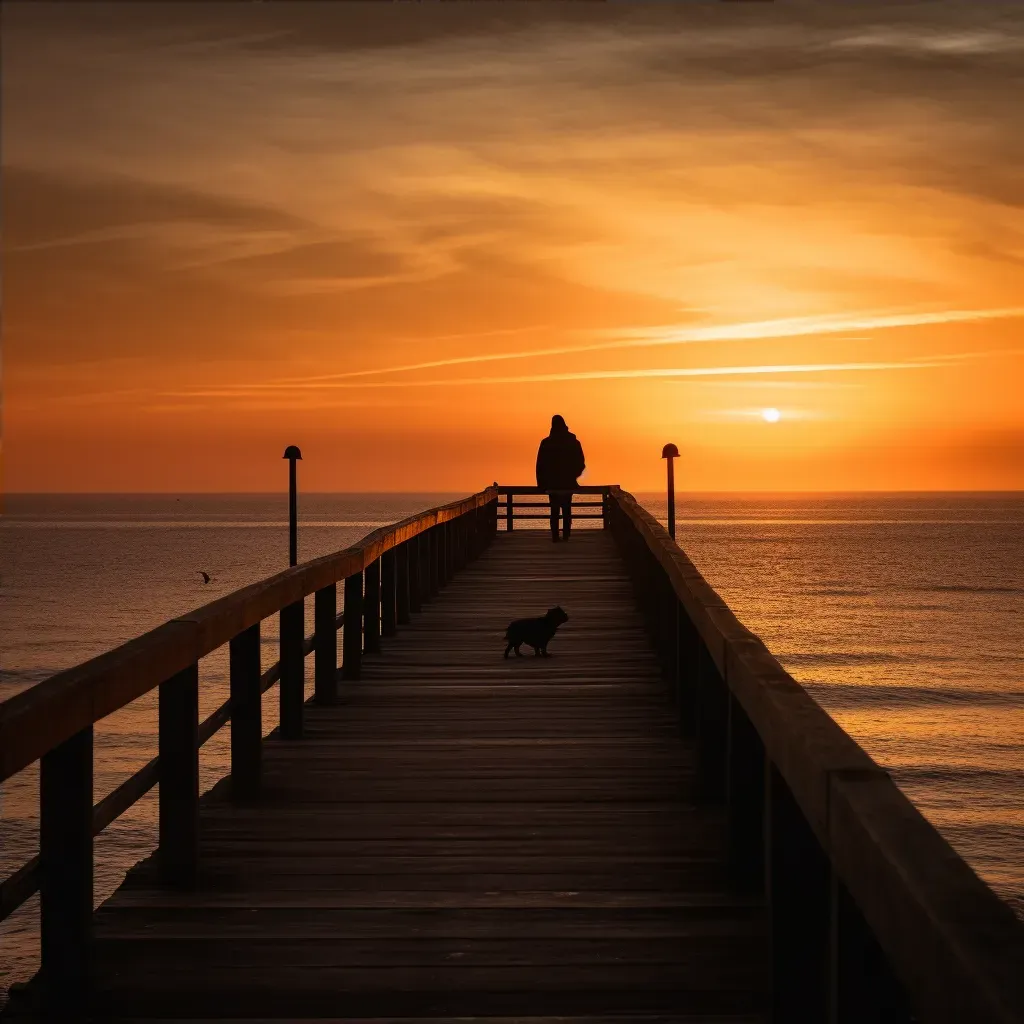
559	463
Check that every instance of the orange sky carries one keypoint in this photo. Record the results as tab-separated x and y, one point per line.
402	236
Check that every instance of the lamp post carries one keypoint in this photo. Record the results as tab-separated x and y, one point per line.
292	453
669	453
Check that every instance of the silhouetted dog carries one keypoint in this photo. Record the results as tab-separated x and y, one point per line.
536	633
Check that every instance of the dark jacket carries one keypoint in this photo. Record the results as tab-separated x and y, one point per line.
559	461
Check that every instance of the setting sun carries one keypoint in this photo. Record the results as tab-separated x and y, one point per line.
771	415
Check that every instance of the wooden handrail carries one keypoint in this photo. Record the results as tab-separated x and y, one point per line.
24	883
955	947
42	717
529	489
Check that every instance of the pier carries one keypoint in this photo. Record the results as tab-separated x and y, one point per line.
656	824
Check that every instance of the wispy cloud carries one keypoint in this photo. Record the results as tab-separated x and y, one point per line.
642	337
667	373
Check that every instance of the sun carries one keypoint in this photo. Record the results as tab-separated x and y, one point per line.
771	415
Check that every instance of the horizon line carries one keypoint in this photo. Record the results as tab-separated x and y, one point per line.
463	491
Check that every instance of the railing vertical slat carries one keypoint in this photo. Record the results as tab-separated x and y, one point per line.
459	532
432	550
403	584
745	796
863	986
293	670
417	582
352	627
325	644
479	533
388	594
442	554
712	727
246	713
450	542
798	882
178	853
66	873
508	511
688	660
371	608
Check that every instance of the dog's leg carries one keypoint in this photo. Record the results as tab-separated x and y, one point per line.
519	653
507	649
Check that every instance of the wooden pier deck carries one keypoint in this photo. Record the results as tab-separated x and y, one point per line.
462	836
657	824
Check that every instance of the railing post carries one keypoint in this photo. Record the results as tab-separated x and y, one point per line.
403	584
745	789
371	608
292	688
461	542
432	561
66	874
688	661
483	529
712	727
798	888
672	628
442	554
862	985
666	628
417	581
352	627
606	519
388	594
178	742
325	644
508	510
246	713
451	542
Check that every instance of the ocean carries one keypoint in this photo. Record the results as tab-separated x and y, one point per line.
900	613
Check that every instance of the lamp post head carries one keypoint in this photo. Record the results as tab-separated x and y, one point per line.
670	451
292	452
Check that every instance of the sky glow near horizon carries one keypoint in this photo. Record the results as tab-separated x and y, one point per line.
402	237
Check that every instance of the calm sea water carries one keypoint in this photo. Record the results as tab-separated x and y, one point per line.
902	614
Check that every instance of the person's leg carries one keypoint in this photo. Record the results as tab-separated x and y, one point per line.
567	515
553	498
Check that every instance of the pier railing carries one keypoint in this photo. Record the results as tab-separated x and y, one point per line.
874	917
540	507
386	577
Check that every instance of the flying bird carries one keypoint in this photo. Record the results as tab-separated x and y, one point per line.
205	575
